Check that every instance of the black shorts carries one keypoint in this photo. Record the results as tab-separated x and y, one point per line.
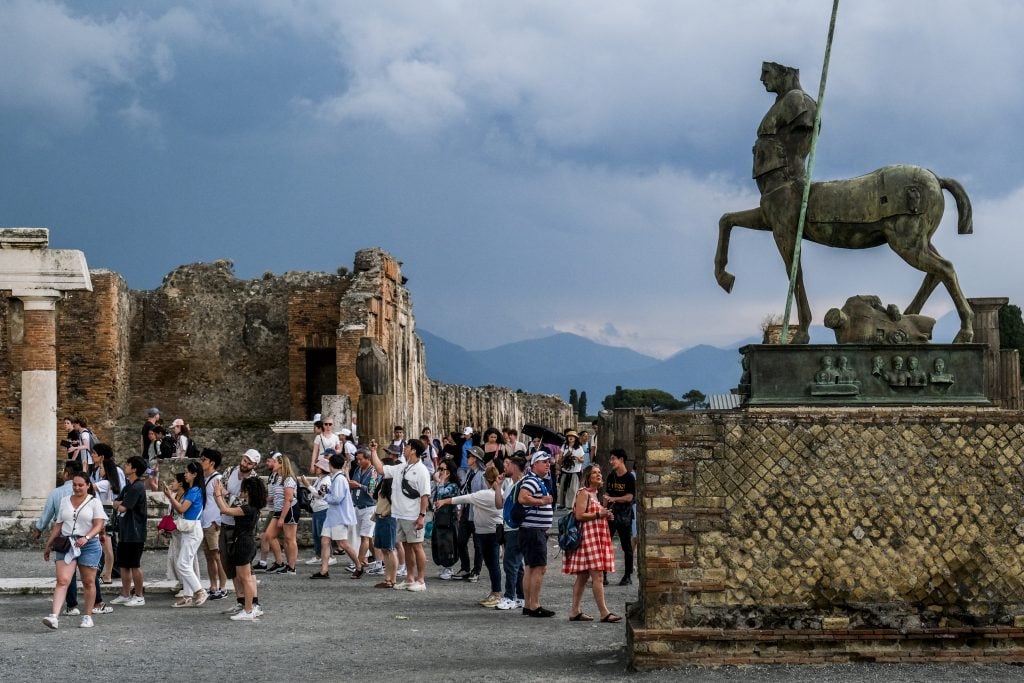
533	544
290	516
129	555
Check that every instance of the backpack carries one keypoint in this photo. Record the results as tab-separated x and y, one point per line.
86	452
513	512
304	498
569	533
192	450
443	546
168	444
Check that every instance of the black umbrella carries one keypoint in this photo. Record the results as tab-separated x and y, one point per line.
546	434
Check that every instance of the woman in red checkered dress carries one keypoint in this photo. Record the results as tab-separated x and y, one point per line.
594	556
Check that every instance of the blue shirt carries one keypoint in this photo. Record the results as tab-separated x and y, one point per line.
196	508
53	505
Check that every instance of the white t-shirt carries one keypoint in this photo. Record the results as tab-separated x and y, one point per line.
578	456
324	441
232	483
317	502
211	513
89	511
402	506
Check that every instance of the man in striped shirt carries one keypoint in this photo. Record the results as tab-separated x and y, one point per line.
533	532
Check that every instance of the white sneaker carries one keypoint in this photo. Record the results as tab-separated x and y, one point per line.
235	609
376	564
106	609
376	572
332	561
520	603
137	601
244	616
402	571
313	560
257	610
404	586
51	621
505	604
121	600
417	587
350	568
446	574
86	622
70	612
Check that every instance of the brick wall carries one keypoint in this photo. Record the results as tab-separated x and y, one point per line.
10	391
312	324
229	356
872	534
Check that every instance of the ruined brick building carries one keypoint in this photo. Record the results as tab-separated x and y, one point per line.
234	356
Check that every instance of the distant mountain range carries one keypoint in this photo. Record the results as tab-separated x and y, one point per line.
560	362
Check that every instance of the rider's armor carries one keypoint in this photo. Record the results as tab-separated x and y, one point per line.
784	136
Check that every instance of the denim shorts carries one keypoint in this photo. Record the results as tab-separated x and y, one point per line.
92	552
384	533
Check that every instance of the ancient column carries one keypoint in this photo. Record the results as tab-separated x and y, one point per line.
37	275
986	331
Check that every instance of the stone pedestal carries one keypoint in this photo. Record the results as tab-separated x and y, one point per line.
820	535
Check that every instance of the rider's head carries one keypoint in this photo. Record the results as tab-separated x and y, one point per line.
779	78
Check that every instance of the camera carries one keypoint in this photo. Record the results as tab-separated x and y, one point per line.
65	443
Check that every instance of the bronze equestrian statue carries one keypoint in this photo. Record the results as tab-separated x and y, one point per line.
896	205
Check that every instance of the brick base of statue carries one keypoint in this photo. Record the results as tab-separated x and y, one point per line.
829	534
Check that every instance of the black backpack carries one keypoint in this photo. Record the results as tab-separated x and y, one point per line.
168	445
192	450
304	498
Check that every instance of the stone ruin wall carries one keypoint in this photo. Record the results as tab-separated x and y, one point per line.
800	535
229	355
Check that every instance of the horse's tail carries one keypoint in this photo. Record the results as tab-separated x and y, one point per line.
965	226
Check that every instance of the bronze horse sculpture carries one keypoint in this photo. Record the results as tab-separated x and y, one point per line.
896	205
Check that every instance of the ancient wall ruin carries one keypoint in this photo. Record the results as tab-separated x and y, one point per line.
816	535
232	356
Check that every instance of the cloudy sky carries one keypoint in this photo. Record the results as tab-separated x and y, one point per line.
537	166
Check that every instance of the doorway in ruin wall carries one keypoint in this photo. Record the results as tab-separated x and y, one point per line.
321	378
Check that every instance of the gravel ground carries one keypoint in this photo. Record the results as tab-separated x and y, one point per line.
315	631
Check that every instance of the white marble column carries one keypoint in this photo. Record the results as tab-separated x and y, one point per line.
38	412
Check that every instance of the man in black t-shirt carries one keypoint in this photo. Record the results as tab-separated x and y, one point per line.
152	418
620	492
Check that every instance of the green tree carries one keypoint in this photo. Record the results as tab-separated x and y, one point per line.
694	399
1011	330
574	401
655	399
582	412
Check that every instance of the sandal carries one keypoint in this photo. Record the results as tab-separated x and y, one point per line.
183	602
611	618
384	584
582	616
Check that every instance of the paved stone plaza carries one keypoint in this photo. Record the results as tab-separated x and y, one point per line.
340	629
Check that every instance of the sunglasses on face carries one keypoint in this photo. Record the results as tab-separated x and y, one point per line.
328	424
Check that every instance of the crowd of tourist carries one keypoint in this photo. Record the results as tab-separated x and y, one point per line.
479	500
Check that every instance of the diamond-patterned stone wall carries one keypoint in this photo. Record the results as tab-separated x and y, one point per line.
782	518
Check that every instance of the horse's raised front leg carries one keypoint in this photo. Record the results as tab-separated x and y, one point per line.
751	218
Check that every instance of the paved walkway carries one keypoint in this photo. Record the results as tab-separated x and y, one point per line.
332	630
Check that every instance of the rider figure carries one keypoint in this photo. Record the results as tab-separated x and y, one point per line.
784	136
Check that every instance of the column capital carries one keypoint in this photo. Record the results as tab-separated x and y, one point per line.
37	299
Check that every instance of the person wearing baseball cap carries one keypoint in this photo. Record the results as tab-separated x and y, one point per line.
232	483
533	532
